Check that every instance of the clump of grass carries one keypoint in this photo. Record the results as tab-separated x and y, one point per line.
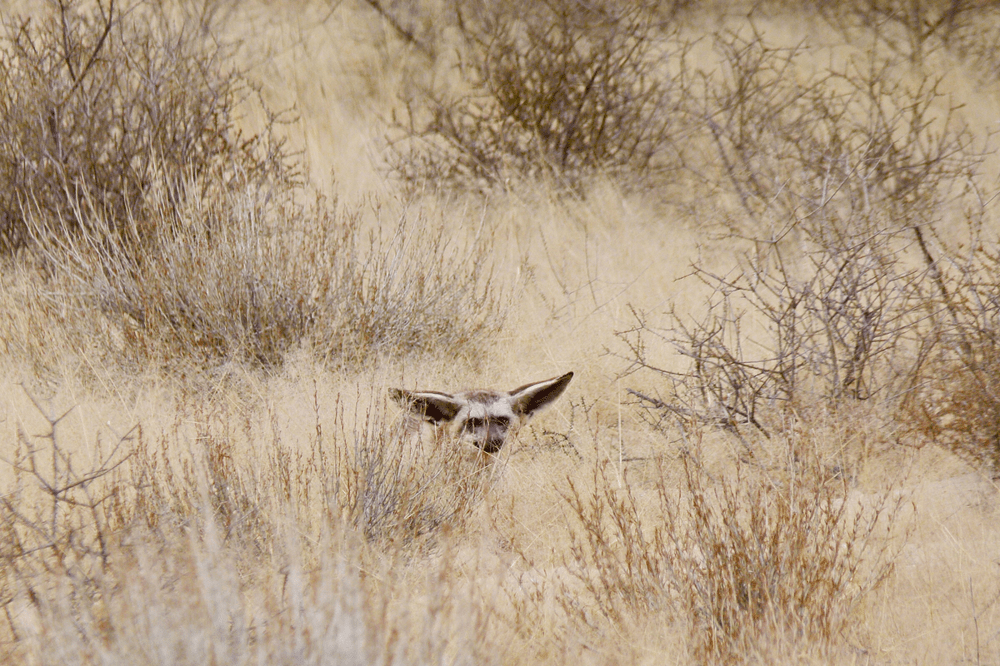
745	560
248	276
404	492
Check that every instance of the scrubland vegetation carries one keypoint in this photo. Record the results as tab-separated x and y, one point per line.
763	235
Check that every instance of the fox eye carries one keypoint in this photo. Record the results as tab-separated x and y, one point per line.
477	422
473	424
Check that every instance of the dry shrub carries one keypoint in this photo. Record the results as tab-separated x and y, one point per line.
975	38
247	276
415	286
615	555
955	401
67	519
780	336
833	181
102	103
60	515
960	408
564	90
176	598
210	465
748	560
854	149
914	29
160	235
557	90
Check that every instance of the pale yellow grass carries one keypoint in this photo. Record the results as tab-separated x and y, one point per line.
496	588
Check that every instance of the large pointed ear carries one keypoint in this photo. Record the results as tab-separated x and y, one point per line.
430	405
529	398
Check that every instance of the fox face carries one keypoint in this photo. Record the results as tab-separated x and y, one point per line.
482	417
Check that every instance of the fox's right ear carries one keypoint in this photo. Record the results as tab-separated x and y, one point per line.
428	405
527	399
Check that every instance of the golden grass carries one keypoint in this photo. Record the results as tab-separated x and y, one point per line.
155	511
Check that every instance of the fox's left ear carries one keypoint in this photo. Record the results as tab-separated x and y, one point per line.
527	399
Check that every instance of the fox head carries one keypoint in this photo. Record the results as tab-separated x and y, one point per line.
483	418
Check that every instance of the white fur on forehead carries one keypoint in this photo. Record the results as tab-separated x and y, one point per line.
482	397
475	409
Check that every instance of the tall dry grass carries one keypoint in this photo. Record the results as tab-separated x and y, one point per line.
219	522
786	458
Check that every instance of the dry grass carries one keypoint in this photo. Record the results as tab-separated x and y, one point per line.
251	276
786	457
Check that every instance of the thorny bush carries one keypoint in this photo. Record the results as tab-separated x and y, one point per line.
104	103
